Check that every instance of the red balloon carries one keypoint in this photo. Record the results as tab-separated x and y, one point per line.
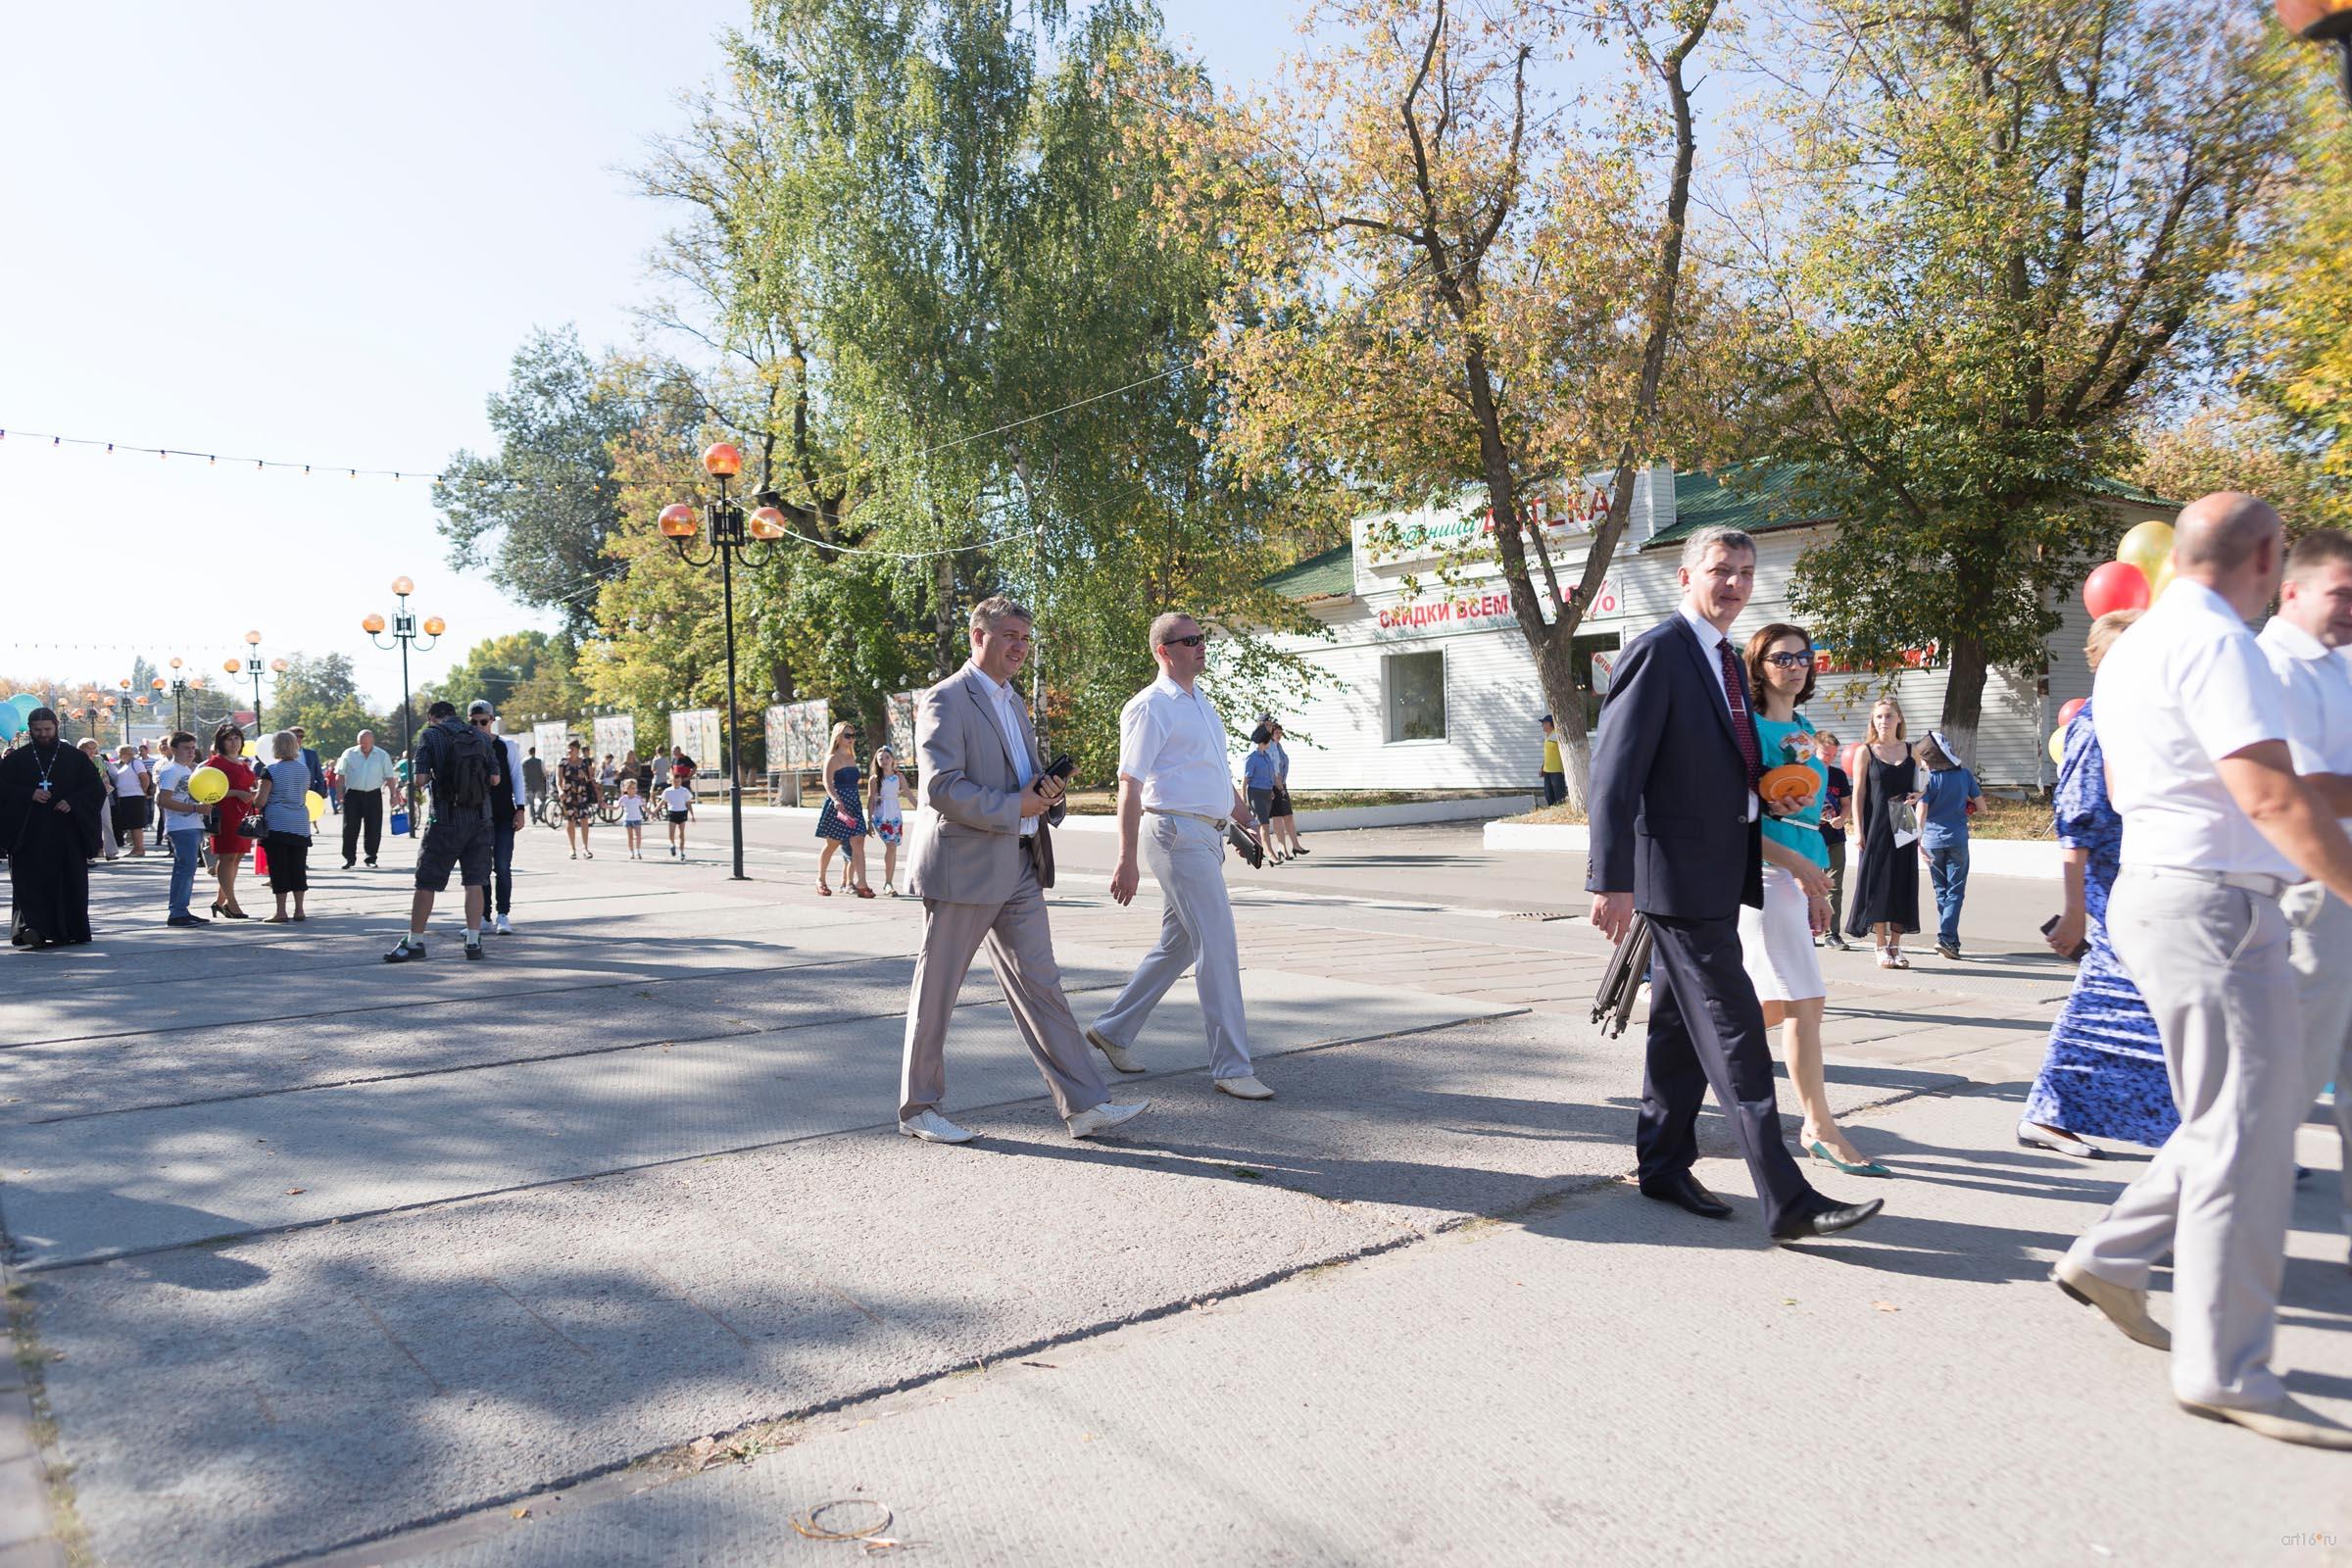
2066	714
2118	585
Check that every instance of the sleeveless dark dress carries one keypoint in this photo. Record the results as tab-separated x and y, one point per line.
1885	892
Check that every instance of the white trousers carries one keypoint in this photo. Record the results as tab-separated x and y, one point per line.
1187	861
2322	954
2213	963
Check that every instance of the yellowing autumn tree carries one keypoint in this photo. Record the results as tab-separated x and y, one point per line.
1449	281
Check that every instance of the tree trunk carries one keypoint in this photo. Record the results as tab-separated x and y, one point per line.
1964	697
942	616
1556	669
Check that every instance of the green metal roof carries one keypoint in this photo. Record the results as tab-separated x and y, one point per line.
1755	497
1329	576
1758	502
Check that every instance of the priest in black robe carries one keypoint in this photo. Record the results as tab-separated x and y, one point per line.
51	804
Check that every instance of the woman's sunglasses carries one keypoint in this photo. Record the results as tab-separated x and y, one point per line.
1788	661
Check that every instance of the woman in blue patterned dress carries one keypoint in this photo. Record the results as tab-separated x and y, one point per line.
2103	1075
843	819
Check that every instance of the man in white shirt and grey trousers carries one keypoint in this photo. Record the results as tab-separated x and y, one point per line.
2217	827
1174	766
2302	643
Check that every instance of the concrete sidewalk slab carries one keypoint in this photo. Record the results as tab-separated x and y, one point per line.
231	1404
1600	1380
99	1187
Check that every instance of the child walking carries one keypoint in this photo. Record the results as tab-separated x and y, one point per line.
632	817
1947	803
889	816
680	799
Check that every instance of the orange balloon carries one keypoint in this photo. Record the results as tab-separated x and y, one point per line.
1788	782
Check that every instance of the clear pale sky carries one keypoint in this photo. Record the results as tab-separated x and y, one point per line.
312	234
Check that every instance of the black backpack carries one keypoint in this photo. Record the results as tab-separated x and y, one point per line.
473	767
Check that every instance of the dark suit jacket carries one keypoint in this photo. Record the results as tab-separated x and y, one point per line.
1668	802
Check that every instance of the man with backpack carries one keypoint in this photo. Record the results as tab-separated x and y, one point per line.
465	770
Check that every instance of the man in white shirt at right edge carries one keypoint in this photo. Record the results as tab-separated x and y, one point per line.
2217	827
2302	643
1174	767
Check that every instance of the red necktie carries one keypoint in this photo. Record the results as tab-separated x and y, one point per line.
1735	689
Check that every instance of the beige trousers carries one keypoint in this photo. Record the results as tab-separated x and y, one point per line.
2322	960
2213	964
1020	944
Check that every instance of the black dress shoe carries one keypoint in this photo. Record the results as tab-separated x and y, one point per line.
1829	1220
1683	1191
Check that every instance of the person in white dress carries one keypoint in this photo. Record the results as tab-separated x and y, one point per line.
886	814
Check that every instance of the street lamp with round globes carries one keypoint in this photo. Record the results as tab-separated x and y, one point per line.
730	534
253	670
404	632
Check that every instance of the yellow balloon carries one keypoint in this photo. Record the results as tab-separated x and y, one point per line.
2058	747
317	803
207	785
2162	580
2147	546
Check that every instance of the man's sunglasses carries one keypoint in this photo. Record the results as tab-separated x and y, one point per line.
1193	641
1788	661
485	719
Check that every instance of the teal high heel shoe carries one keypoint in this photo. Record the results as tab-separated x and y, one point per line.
1820	1151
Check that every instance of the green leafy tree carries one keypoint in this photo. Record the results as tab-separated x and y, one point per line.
2298	365
1435	292
2014	224
538	511
321	694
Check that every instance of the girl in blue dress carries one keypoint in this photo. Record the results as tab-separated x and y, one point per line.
2103	1075
843	819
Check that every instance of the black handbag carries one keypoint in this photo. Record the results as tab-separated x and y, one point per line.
252	827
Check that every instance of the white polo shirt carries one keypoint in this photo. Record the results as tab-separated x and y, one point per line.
1172	742
2318	687
2186	686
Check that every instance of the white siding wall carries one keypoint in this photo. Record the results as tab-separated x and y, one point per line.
1493	699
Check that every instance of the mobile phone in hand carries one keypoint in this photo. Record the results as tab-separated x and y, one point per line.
2080	948
1061	766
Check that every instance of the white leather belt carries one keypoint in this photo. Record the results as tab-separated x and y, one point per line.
1217	822
2258	883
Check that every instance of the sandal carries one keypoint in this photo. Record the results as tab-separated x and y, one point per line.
864	891
825	888
1869	1167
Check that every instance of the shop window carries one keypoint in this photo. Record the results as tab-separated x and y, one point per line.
1592	657
1416	694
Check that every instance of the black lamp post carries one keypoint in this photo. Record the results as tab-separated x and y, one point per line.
732	534
404	632
252	672
179	685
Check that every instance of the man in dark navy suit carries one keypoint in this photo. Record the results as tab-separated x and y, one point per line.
1675	833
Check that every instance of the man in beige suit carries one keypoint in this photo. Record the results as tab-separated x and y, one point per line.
982	861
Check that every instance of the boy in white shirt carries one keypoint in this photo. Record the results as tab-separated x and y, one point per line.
680	802
183	826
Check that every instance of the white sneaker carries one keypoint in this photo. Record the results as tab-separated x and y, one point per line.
502	927
1119	1057
933	1128
889	892
1102	1118
1244	1088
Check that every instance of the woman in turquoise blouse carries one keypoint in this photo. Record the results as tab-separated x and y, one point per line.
1776	942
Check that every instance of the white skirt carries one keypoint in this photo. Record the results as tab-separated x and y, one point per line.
1776	942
